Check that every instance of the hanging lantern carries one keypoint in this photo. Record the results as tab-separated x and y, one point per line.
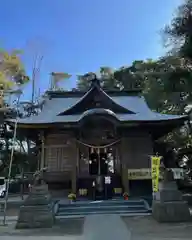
92	150
105	150
98	150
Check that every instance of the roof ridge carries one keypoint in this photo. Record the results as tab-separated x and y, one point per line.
60	94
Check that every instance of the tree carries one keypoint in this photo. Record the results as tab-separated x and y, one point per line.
12	77
57	77
164	78
12	72
178	34
82	83
107	80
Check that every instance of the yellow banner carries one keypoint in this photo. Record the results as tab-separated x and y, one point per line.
155	164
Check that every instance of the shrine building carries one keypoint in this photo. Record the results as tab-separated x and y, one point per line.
90	141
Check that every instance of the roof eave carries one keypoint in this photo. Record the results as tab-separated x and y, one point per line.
181	120
160	122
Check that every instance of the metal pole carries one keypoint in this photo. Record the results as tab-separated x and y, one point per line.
10	167
99	163
33	82
36	70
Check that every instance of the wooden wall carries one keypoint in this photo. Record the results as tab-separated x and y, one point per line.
135	150
83	165
60	156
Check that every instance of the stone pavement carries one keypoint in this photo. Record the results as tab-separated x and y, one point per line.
108	227
105	227
39	238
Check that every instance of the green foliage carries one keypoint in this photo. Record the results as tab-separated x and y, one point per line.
178	34
82	83
57	77
168	78
12	76
25	153
11	69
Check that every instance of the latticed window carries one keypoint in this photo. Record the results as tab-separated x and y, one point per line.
58	159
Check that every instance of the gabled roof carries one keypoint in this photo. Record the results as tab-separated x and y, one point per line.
61	107
105	102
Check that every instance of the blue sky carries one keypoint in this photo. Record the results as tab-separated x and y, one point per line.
80	36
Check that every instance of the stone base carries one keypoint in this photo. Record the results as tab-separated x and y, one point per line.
168	196
35	217
38	196
168	192
36	211
174	211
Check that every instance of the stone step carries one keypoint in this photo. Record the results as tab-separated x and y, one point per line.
103	203
69	213
101	208
59	219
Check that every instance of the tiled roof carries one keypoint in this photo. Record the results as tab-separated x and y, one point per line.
53	107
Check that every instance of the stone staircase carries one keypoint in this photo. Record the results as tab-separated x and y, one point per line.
130	207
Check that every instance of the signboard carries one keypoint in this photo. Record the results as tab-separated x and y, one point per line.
118	190
83	192
145	173
139	174
155	164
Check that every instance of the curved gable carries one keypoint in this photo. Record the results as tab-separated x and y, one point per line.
96	98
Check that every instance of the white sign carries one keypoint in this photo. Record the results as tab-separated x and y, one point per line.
107	180
145	173
139	174
178	173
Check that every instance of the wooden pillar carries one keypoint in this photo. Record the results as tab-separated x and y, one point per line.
74	171
39	159
74	180
125	180
117	160
124	167
42	164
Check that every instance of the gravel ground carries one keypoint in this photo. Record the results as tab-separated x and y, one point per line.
43	238
64	227
12	212
146	228
140	228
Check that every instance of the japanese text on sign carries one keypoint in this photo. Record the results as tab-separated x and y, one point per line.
145	173
155	164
